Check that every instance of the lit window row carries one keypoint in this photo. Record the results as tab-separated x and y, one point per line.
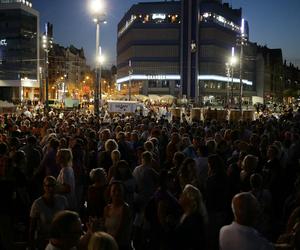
154	18
27	3
208	16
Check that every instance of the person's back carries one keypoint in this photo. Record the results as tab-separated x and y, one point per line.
236	237
241	233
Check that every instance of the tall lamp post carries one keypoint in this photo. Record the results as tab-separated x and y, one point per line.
242	42
230	72
232	62
47	46
129	74
97	10
227	87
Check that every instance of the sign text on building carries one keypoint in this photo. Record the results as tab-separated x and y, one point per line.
156	77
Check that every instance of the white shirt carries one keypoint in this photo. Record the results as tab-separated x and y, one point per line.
237	237
44	214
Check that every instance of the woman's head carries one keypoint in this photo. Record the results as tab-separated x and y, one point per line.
49	185
102	241
250	163
110	145
116	191
98	175
148	146
191	200
115	155
64	157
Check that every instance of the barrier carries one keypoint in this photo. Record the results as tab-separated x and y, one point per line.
235	115
222	115
176	112
210	114
248	115
196	114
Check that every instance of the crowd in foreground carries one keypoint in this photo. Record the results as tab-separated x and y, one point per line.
75	181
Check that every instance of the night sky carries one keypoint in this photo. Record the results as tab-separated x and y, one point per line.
275	23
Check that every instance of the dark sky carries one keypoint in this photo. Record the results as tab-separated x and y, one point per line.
275	23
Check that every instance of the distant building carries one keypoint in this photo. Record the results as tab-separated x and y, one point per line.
291	82
270	75
19	51
181	48
67	70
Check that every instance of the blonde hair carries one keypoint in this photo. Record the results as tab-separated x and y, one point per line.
111	145
102	241
115	154
64	157
194	195
250	163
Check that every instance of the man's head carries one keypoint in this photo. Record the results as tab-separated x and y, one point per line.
65	230
245	208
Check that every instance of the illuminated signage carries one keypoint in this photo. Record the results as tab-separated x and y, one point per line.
3	42
158	16
156	77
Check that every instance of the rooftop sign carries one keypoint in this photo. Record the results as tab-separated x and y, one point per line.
158	16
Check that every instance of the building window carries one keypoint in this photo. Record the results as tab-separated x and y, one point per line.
165	84
152	84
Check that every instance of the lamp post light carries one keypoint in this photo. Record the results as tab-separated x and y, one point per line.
130	71
230	73
232	62
227	87
47	41
97	10
242	42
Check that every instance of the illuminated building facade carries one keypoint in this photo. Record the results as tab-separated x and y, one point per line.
181	48
149	38
19	51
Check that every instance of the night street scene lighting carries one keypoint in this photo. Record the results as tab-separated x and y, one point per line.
97	9
177	128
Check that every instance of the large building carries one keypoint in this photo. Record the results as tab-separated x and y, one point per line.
149	39
67	71
181	48
19	51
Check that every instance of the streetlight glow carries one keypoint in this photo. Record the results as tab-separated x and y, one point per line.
100	59
96	7
233	60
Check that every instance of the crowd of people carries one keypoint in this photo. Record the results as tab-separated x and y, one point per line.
71	180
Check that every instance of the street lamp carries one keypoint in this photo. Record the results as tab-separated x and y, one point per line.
97	9
233	61
230	72
242	42
130	71
47	42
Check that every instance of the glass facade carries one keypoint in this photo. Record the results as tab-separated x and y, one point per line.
19	54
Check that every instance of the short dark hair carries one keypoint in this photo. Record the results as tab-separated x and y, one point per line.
62	222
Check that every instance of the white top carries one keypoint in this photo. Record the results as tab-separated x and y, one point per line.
44	214
66	176
237	237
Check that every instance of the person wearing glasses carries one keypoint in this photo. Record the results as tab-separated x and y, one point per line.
43	211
